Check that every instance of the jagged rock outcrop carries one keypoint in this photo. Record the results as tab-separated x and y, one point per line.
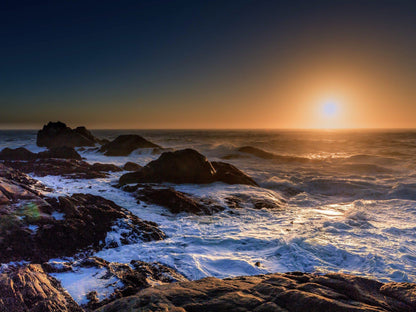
127	279
43	228
186	166
67	168
56	134
123	145
176	201
29	289
290	292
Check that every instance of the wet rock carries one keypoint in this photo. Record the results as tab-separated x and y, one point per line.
251	201
22	179
185	166
67	168
273	292
105	167
175	201
123	145
67	225
29	289
230	174
24	154
63	152
56	134
127	279
131	166
17	154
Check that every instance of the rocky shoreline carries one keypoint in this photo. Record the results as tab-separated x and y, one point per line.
35	228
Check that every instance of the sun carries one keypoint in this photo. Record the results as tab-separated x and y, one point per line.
330	108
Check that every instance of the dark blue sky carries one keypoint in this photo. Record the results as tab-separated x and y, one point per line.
180	64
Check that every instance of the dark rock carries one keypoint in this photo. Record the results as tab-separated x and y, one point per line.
67	168
229	174
105	167
279	158
273	292
17	154
63	152
29	289
21	178
84	224
134	277
185	166
56	134
175	201
123	145
250	201
256	152
131	166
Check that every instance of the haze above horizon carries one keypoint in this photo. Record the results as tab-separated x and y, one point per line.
209	64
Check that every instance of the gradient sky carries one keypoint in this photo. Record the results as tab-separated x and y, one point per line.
208	64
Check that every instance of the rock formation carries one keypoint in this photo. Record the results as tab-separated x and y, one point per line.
123	145
186	166
56	134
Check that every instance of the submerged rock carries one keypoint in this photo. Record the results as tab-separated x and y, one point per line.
56	134
273	292
29	289
123	145
175	201
186	166
68	168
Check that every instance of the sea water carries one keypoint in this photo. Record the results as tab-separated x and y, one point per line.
346	203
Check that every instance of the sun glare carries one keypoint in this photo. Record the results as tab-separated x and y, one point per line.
330	108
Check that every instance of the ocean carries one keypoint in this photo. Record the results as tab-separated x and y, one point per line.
346	203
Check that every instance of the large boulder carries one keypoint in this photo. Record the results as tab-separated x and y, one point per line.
131	166
123	145
29	288
56	134
284	292
186	166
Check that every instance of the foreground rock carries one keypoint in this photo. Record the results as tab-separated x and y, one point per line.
186	166
29	288
274	292
38	231
127	279
68	168
176	201
123	145
56	134
21	153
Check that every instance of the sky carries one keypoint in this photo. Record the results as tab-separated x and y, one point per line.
208	64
